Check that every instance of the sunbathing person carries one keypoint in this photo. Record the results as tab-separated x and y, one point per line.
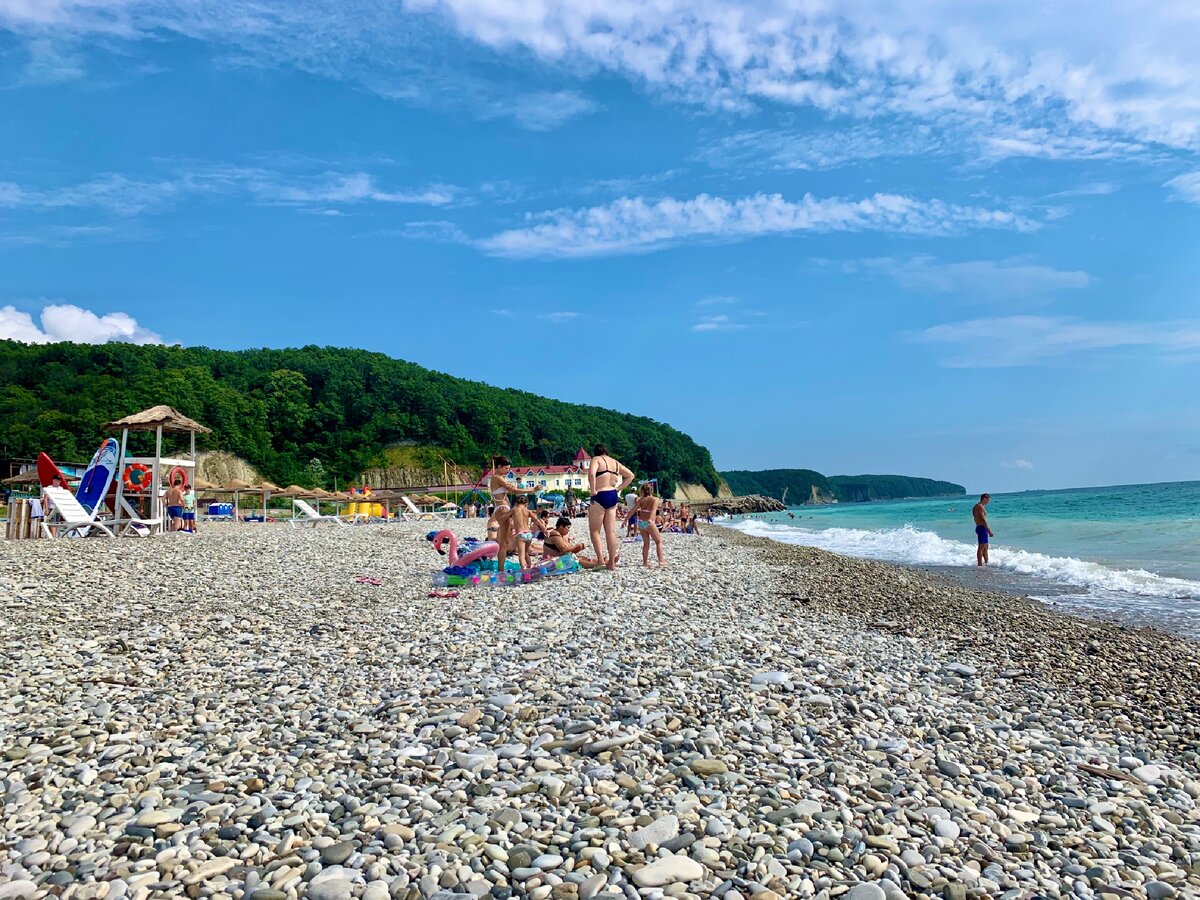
558	543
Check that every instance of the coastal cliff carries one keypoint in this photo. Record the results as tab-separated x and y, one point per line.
807	487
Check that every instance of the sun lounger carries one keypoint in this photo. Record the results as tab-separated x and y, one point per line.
312	517
74	517
416	515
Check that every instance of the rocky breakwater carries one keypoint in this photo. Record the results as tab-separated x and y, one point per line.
736	506
746	724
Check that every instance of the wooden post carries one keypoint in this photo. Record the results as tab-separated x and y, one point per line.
156	508
119	511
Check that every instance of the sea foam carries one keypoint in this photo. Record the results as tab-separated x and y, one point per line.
924	548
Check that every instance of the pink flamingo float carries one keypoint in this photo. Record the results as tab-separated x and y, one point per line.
481	551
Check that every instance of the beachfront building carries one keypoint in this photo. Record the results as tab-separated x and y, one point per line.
553	479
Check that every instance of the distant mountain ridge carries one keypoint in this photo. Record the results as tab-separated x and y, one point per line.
809	486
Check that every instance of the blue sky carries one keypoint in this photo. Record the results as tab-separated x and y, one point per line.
955	242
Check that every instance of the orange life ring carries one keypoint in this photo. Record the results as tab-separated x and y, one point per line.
183	481
136	477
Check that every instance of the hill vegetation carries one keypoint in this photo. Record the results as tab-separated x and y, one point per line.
800	485
307	415
860	488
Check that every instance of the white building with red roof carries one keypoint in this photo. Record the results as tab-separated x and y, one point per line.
548	478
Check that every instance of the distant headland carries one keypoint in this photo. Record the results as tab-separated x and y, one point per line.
805	486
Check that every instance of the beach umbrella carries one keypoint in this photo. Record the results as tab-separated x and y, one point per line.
237	487
267	489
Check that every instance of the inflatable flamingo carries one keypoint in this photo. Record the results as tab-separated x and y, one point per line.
481	551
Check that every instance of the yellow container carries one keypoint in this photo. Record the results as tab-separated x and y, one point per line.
377	510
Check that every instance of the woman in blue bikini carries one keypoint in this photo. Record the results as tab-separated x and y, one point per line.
606	479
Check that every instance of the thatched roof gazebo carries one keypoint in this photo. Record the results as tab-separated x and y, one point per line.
165	418
157	419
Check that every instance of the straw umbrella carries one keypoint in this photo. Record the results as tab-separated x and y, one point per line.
237	487
267	489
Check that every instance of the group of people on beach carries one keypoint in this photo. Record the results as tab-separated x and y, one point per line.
514	527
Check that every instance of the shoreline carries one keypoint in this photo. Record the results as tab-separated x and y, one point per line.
758	719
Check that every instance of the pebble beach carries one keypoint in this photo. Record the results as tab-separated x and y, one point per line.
233	715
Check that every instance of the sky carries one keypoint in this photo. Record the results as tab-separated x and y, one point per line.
934	238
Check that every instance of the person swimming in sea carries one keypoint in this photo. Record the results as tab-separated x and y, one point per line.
606	479
982	531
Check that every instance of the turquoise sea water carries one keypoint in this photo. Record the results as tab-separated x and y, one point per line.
1130	552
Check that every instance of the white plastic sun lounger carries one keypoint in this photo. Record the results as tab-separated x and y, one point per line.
416	515
312	517
74	517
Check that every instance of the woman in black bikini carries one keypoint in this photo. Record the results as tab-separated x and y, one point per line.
606	479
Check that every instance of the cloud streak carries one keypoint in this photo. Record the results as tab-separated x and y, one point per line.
980	279
638	225
1186	187
122	195
1031	340
65	322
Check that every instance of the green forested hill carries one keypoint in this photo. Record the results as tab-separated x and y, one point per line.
858	488
844	488
281	409
799	483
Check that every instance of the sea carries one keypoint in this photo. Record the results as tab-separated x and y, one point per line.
1129	552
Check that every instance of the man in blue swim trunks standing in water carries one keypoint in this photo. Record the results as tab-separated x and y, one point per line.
979	512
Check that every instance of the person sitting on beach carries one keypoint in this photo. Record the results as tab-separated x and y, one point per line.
646	507
558	544
174	502
522	531
982	531
606	479
502	489
540	524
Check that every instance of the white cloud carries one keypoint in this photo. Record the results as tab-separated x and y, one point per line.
717	323
1028	340
637	225
559	317
982	279
502	312
716	301
820	148
1186	186
1075	70
64	322
541	110
52	62
1091	189
125	196
1016	464
1133	69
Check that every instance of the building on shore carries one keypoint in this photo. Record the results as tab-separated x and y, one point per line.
549	478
